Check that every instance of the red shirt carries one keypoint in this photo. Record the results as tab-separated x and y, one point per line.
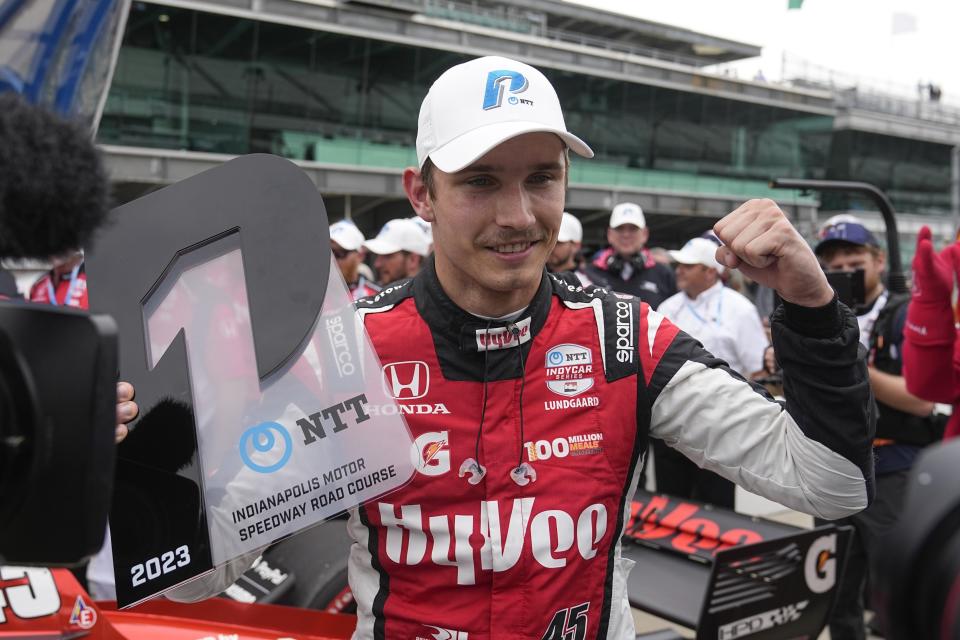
70	290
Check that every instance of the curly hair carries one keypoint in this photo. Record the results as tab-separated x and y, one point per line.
53	188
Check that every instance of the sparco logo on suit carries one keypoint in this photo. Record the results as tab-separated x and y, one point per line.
624	332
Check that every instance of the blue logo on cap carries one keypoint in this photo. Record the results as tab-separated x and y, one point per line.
496	81
848	230
262	439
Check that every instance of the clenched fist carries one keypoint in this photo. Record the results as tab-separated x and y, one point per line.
760	241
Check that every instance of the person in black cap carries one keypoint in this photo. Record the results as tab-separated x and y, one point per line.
905	423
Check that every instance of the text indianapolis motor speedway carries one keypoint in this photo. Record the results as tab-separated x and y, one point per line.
322	498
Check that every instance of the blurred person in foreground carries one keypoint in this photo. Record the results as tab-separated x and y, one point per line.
400	249
931	346
346	244
905	423
627	266
565	255
523	361
54	192
727	324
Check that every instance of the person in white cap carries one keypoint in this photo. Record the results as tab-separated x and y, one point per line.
563	258
726	322
346	243
626	265
400	249
728	325
534	398
427	231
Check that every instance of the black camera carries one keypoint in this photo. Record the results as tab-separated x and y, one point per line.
58	372
849	285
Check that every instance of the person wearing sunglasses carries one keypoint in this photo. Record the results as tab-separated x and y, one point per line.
346	244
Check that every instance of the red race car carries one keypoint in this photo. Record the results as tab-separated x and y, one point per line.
50	603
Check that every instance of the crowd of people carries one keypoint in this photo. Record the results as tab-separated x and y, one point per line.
673	346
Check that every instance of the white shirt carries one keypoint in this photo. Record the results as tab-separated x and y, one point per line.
868	319
725	322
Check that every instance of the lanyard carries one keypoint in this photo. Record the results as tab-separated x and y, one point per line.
702	320
52	294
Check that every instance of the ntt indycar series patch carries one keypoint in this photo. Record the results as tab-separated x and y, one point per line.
262	405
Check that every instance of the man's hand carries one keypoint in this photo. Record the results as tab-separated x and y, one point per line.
127	409
760	241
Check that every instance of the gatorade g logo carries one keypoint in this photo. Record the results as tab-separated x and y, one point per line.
493	95
431	453
820	565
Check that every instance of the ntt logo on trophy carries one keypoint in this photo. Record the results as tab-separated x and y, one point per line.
261	450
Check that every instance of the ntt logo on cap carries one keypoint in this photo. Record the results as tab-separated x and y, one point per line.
496	80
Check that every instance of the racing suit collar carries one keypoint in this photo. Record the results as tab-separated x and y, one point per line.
470	333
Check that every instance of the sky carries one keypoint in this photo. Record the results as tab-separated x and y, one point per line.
852	37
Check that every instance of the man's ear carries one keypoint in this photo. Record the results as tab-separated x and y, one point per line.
417	193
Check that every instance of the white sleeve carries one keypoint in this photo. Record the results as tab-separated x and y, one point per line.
708	412
758	446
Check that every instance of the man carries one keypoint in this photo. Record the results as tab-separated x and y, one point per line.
400	249
504	532
65	284
565	254
727	324
626	266
905	422
346	244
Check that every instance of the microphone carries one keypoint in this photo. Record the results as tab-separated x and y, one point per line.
53	188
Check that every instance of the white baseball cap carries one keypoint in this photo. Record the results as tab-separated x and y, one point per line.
627	213
346	234
424	226
570	229
474	106
399	234
698	251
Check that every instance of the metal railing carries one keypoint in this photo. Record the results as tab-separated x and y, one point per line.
518	19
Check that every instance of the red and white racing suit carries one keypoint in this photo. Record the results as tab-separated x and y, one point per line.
574	387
